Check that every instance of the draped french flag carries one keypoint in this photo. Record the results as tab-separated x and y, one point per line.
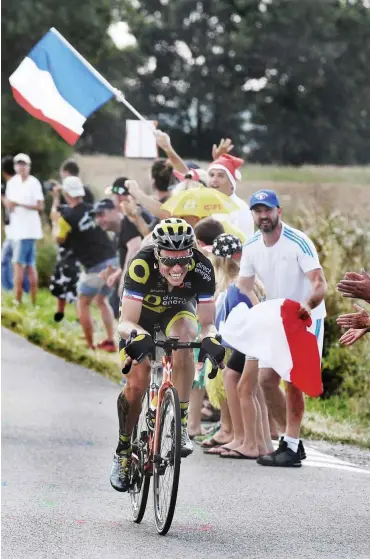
273	332
54	83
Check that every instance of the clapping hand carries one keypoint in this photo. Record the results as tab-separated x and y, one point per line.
355	285
352	335
356	321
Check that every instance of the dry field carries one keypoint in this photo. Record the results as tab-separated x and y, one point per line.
346	189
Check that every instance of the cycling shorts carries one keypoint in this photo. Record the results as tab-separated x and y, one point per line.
150	320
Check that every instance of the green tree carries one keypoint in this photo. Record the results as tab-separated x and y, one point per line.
315	105
86	28
193	80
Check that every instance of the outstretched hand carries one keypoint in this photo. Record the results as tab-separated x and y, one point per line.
352	335
358	320
355	285
225	146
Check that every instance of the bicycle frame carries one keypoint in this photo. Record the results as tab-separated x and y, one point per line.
168	345
166	383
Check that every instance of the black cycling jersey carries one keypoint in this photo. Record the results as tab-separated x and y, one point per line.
144	282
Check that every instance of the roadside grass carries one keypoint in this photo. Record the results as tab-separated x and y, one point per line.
333	419
64	339
330	419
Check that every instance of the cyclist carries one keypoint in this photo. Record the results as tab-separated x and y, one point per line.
167	283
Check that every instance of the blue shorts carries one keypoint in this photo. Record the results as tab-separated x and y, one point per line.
24	252
90	284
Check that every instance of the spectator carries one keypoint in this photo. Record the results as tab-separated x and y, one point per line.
67	271
205	232
94	250
251	435
127	237
287	263
24	200
7	172
223	174
70	168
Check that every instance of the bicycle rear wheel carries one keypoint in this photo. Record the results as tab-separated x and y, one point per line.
167	462
140	479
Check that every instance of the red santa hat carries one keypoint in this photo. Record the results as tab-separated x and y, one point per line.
230	165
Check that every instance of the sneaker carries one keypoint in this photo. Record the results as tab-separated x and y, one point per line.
58	317
186	444
283	457
301	448
107	345
120	473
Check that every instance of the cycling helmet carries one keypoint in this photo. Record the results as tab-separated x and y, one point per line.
173	234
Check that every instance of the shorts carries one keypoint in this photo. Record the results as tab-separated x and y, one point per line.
90	284
63	283
24	252
236	361
150	320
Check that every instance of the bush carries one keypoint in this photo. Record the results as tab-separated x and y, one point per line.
342	246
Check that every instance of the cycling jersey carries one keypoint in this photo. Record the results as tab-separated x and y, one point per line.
144	282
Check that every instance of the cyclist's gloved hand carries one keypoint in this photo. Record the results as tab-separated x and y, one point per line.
212	349
137	349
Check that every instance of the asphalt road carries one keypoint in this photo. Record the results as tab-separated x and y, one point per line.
59	431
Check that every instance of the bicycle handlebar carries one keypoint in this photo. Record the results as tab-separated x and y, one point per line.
172	344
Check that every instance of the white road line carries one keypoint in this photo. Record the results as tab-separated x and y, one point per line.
317	459
333	466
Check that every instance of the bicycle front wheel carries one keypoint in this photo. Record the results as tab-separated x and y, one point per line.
140	479
167	462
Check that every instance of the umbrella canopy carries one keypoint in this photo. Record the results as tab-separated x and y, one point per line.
199	202
231	229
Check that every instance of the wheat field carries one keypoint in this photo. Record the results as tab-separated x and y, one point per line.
345	189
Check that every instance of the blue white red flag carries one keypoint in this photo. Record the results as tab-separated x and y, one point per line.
273	333
54	83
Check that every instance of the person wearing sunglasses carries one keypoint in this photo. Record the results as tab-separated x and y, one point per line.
171	284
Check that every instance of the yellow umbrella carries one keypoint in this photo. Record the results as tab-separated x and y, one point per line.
199	202
232	229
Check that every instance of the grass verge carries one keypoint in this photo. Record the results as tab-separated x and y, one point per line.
63	339
330	419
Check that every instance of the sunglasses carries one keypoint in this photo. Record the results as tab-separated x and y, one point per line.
171	261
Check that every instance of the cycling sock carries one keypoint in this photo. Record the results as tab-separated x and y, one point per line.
291	442
124	444
184	407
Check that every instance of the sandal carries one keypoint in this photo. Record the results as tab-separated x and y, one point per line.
216	450
237	455
211	443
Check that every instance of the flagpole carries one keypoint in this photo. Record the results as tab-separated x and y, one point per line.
117	93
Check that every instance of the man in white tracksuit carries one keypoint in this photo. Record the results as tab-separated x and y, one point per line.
287	263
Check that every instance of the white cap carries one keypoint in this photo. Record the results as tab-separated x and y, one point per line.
73	187
22	158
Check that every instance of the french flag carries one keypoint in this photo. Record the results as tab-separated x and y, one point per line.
54	83
273	332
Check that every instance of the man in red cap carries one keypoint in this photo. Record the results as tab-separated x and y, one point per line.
223	174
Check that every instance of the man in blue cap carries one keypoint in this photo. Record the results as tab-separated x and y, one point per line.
286	261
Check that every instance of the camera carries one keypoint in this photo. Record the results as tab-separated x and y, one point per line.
49	185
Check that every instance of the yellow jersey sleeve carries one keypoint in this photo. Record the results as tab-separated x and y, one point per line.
63	228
